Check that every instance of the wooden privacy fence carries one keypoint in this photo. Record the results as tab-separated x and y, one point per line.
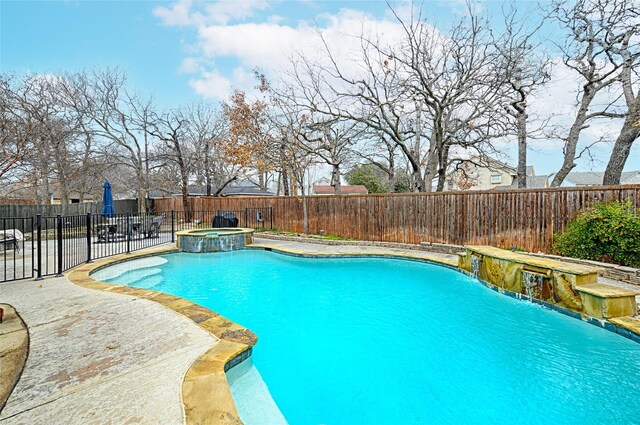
121	206
525	219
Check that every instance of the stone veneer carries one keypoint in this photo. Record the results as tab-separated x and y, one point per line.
567	285
230	239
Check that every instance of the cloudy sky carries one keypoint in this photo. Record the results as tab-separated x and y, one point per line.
185	50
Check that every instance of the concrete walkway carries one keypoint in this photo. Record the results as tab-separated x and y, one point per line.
98	357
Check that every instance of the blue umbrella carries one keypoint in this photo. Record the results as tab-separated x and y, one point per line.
107	201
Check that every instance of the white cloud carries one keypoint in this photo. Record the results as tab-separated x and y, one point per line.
190	65
212	85
223	12
178	14
188	12
270	45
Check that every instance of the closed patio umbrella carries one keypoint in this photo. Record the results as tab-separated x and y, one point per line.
107	201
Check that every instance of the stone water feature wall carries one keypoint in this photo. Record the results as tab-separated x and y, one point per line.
570	286
204	241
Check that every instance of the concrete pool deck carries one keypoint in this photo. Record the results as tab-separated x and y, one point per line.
102	356
98	357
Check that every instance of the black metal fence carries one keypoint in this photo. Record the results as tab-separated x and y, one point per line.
43	246
15	248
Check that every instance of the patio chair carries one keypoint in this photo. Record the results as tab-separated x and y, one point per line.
150	226
11	238
107	231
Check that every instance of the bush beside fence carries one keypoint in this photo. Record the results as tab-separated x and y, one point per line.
524	219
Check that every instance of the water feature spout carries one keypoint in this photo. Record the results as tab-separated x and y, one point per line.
475	266
531	280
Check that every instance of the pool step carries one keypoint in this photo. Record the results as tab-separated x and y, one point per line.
137	277
148	282
114	272
253	399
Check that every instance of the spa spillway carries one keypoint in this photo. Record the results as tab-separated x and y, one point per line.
214	240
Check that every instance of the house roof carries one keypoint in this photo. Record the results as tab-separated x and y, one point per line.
530	171
245	191
494	164
345	189
594	178
201	190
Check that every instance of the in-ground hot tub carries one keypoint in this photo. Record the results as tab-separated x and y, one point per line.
214	240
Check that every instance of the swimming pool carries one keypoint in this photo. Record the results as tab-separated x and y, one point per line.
384	341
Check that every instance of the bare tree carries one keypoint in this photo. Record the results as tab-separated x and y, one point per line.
591	41
454	81
206	124
16	129
623	42
523	70
171	129
423	97
118	116
372	96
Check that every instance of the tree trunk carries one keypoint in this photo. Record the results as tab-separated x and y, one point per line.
443	160
285	182
521	119
417	182
207	172
629	134
45	177
335	178
571	143
142	188
431	169
185	197
61	165
305	211
223	185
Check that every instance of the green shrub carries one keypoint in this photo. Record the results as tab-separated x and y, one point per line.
609	232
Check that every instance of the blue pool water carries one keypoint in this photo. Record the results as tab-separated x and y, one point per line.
382	341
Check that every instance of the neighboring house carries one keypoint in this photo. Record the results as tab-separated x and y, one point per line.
74	198
30	192
533	181
595	178
245	189
345	189
481	174
488	174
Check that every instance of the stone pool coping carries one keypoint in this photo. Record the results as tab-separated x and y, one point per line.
227	231
205	391
423	257
503	254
